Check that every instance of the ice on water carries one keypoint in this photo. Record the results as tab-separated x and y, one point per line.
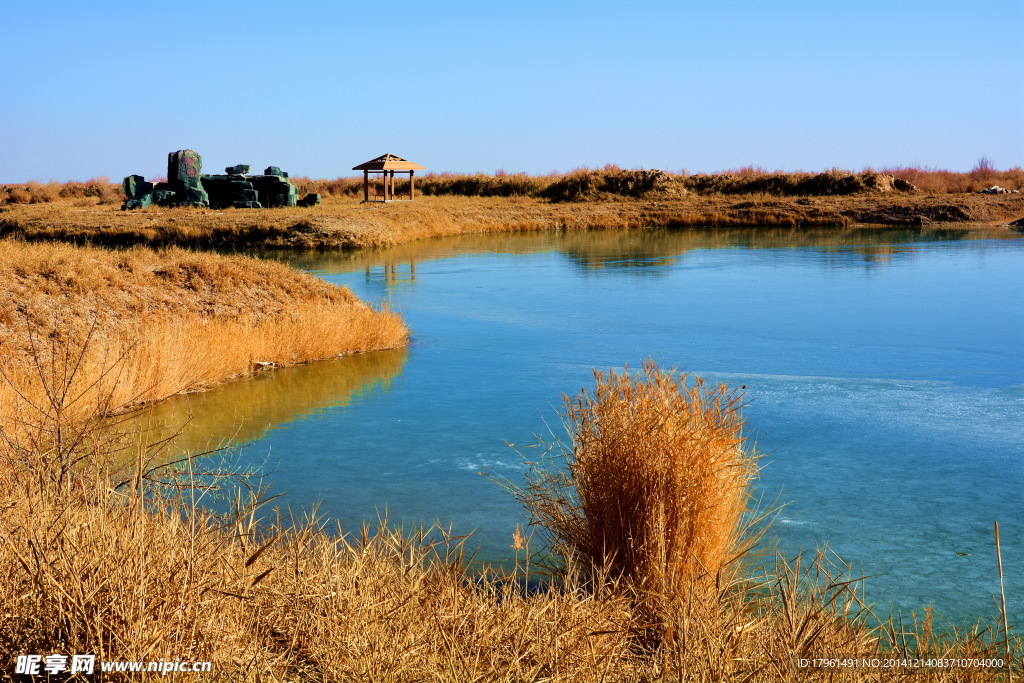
887	394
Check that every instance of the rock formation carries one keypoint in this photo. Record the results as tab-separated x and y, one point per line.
138	191
187	186
184	175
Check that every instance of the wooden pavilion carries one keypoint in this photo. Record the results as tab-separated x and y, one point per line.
387	165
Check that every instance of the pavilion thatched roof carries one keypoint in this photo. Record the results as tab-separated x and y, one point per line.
389	162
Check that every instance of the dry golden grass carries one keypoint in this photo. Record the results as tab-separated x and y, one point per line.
271	603
656	486
136	573
94	191
981	177
115	329
128	583
347	223
103	557
584	183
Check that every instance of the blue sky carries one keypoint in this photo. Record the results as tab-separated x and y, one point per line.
104	88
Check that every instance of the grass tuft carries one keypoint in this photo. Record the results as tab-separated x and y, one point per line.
656	484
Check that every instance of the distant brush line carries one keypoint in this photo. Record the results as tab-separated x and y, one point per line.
584	183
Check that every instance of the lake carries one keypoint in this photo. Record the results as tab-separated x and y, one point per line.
884	374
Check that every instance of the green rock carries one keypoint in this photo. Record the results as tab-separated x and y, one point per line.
275	190
165	197
185	166
135	186
137	202
187	186
194	196
184	174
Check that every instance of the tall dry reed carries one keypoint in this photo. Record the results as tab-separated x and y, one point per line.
655	486
653	494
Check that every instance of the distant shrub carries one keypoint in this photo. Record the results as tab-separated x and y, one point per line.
584	184
100	189
501	184
833	182
939	181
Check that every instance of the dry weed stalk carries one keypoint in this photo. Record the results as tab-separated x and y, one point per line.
653	494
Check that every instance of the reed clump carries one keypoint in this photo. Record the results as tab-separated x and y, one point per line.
650	502
656	484
652	497
499	184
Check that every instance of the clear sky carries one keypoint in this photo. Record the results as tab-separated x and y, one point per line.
109	88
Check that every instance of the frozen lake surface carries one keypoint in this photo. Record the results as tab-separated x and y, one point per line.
884	373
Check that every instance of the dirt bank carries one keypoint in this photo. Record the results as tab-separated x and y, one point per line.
346	223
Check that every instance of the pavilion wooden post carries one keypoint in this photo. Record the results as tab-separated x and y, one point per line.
412	184
366	186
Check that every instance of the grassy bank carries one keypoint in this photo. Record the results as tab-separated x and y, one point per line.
346	223
122	328
654	578
454	204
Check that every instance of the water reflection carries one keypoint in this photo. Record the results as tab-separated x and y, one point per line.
644	251
243	411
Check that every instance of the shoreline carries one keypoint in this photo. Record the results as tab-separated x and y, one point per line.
138	325
344	223
298	600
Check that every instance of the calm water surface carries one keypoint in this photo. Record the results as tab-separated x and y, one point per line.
884	373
